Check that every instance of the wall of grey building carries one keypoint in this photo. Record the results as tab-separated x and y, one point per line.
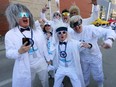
35	6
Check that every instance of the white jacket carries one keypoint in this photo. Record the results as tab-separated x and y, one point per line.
91	34
21	71
75	49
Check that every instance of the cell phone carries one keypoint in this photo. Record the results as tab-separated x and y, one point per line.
26	40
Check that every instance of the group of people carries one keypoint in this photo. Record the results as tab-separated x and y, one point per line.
66	45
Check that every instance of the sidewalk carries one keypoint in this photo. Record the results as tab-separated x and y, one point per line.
2	46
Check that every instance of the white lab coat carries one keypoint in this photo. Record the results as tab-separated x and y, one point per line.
75	48
21	71
91	34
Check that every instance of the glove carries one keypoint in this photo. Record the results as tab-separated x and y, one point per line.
51	68
107	44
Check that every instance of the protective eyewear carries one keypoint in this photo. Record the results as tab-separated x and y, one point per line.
65	14
56	15
77	23
23	14
73	13
62	32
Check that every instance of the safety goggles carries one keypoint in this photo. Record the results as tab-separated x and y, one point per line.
62	32
65	14
56	14
23	14
77	23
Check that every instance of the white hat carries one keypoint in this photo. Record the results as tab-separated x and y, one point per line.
47	23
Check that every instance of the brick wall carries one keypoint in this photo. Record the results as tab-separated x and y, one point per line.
3	21
84	6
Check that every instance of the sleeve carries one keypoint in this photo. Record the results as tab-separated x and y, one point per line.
93	17
104	33
43	47
43	16
46	55
11	50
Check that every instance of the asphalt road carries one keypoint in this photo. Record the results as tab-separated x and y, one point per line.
109	63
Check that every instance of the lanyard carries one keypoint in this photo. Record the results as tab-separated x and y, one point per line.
25	36
63	54
30	39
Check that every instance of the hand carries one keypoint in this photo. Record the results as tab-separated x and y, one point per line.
45	9
106	46
86	45
24	48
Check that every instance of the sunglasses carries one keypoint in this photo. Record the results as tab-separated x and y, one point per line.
65	14
62	32
73	13
56	15
77	23
23	14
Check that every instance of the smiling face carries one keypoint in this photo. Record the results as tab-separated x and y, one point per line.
47	28
24	19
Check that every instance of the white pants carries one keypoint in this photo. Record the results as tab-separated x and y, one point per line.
64	71
93	67
42	73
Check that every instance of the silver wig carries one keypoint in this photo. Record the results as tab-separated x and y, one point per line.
12	13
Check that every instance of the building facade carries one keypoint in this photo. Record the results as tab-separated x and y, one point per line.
85	6
35	7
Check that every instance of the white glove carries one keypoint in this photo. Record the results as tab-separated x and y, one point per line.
107	44
50	68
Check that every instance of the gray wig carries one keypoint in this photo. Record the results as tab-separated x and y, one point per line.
12	13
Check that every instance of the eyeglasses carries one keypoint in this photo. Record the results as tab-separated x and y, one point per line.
77	23
62	32
23	14
73	13
65	14
56	14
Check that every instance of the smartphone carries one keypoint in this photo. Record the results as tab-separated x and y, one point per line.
26	40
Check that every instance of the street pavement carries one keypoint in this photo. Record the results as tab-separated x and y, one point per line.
109	63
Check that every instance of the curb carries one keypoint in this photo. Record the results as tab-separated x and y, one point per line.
2	49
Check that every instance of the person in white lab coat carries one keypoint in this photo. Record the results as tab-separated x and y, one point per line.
67	59
91	61
25	44
74	10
